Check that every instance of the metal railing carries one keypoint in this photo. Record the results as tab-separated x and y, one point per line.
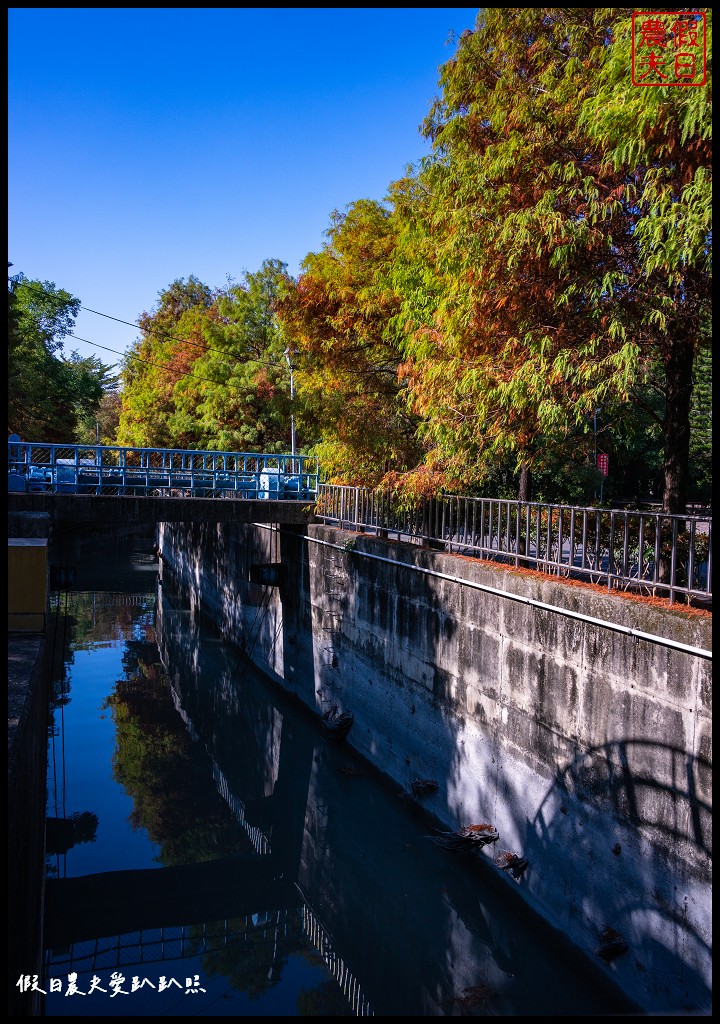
109	469
645	552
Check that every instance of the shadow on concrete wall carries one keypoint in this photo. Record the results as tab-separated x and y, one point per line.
586	838
598	806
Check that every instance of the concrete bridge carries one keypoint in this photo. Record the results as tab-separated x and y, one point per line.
104	509
119	902
108	484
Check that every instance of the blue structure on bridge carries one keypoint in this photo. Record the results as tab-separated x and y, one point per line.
109	469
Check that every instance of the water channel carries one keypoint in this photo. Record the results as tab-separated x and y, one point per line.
211	853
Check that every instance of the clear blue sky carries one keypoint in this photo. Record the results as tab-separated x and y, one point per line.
149	144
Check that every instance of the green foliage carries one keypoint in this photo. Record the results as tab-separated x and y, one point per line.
569	261
50	396
246	350
107	419
552	256
701	427
95	390
173	340
211	371
339	315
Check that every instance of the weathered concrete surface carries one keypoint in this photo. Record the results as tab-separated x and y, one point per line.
588	749
28	524
110	509
27	755
27	762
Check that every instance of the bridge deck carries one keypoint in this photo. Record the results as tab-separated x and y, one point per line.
117	902
97	509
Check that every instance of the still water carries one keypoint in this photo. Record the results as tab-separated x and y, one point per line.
211	853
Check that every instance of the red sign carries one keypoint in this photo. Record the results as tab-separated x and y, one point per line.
669	48
603	464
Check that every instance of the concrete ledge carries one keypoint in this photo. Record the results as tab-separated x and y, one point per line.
79	509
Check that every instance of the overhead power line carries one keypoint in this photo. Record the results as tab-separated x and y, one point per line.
150	331
166	366
163	335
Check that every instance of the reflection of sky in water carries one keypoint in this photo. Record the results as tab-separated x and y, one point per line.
80	778
87	752
365	856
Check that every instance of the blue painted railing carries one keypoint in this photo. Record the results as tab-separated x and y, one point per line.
110	469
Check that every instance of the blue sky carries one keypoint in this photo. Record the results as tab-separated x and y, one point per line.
149	144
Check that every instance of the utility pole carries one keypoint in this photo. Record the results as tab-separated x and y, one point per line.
292	407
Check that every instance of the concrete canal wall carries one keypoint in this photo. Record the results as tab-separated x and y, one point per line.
575	721
28	664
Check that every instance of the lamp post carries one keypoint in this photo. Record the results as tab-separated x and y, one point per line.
292	407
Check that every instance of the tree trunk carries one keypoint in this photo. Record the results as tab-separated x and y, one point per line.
676	430
525	486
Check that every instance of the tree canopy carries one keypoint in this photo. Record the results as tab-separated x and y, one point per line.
536	289
338	315
210	371
565	216
51	397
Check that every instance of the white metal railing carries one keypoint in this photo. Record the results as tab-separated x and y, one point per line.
174	942
349	984
165	943
110	469
643	551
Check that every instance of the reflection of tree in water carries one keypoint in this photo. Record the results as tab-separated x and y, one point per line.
254	959
324	1001
61	834
81	620
165	773
252	952
101	618
59	696
85	824
175	799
